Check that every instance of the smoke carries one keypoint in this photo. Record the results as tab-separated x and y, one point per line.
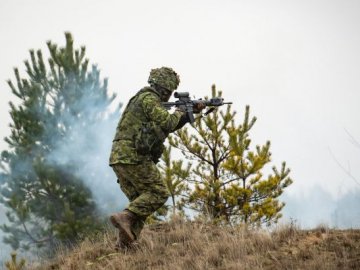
316	206
4	249
84	146
87	147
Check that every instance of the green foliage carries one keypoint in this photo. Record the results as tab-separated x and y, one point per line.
46	201
227	179
13	264
174	176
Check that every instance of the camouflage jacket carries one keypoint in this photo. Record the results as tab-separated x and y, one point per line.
142	129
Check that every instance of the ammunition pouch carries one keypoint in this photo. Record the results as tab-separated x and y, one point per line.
148	136
156	152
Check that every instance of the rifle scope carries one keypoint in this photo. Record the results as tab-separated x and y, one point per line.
181	94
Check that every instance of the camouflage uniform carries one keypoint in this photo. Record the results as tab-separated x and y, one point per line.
142	129
137	147
143	186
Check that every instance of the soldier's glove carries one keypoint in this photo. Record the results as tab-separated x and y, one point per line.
183	120
198	107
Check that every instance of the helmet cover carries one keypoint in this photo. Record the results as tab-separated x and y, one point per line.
165	77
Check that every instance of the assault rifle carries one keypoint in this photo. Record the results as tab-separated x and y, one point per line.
186	104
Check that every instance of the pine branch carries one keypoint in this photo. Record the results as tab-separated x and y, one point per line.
32	238
230	181
206	142
188	150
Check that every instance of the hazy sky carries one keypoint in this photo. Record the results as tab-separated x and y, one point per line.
296	63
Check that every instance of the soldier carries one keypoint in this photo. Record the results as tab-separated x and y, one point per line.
137	147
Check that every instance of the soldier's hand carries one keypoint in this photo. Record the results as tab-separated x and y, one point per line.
180	110
198	107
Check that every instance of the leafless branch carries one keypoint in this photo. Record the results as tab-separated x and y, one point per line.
353	140
347	171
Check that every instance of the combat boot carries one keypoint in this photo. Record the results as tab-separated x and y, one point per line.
124	221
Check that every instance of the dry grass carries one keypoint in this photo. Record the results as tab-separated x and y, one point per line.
194	245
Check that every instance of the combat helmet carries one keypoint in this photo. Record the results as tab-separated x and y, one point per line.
164	77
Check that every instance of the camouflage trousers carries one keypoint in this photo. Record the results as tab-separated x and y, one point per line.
144	187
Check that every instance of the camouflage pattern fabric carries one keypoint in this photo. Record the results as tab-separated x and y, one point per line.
165	77
144	187
139	143
142	129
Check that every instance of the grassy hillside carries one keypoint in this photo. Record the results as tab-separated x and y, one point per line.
194	245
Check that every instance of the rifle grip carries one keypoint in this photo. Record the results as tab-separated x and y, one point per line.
191	117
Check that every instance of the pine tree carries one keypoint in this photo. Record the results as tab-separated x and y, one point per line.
227	179
175	177
46	200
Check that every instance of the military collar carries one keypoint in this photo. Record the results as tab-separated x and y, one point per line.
150	89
